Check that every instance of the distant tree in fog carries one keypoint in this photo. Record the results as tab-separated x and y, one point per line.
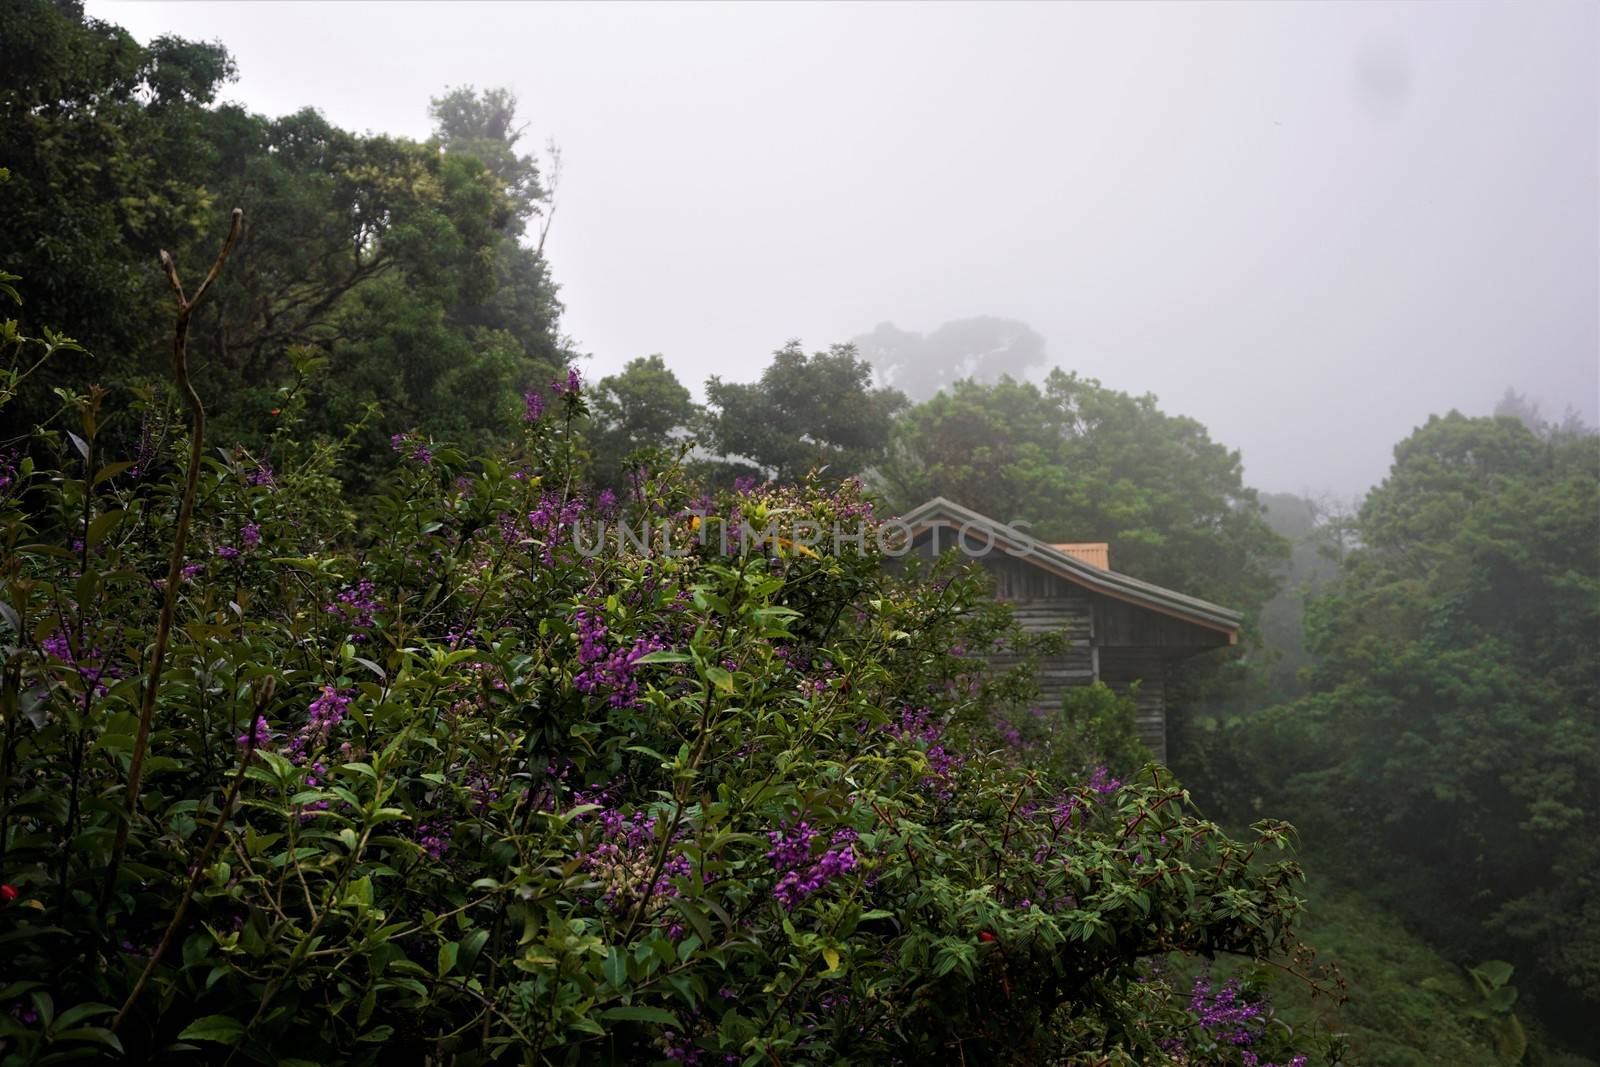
984	348
1526	410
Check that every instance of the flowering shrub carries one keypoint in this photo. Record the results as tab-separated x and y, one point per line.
427	783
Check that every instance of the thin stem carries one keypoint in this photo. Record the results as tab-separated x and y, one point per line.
195	873
169	604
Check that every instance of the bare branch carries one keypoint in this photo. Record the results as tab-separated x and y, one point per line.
180	536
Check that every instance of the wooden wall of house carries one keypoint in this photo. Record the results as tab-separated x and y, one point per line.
1108	640
1120	668
1044	603
1119	624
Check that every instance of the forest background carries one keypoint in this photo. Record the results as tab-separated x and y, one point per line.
1418	689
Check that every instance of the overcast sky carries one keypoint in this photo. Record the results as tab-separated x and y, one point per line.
1308	226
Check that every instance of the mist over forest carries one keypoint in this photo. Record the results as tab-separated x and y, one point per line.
488	499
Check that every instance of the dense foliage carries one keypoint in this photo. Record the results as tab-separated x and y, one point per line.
1076	461
1447	749
1316	531
398	262
639	413
433	782
805	413
744	801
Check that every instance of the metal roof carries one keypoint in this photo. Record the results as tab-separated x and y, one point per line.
1053	558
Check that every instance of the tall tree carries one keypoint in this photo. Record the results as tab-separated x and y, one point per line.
1449	747
642	407
110	151
1082	462
483	125
398	261
805	413
1315	530
984	349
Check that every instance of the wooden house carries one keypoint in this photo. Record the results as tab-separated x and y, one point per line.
1119	630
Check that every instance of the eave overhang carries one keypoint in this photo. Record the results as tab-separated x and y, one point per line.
973	527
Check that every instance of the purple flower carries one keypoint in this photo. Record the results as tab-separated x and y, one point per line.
251	535
260	738
327	711
533	405
918	726
625	857
800	875
571	385
228	552
412	447
551	524
434	836
261	476
357	607
324	713
609	670
1102	782
89	663
1223	1014
481	788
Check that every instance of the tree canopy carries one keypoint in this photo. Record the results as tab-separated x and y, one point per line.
1081	462
393	266
643	407
805	412
1448	747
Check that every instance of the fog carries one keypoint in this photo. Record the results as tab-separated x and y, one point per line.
1308	227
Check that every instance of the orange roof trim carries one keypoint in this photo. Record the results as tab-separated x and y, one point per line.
1094	553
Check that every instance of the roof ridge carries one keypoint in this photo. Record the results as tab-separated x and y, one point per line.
1086	574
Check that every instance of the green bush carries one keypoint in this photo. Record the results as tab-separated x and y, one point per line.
427	781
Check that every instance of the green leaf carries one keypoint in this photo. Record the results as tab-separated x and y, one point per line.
371	666
640	1013
1495	972
1501	999
615	968
223	1029
359	892
697	918
102	523
111	470
664	656
448	951
471	947
90	1033
82	1011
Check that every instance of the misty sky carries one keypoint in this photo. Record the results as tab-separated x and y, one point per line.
1306	226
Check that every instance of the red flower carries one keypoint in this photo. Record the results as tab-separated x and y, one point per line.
8	892
984	935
